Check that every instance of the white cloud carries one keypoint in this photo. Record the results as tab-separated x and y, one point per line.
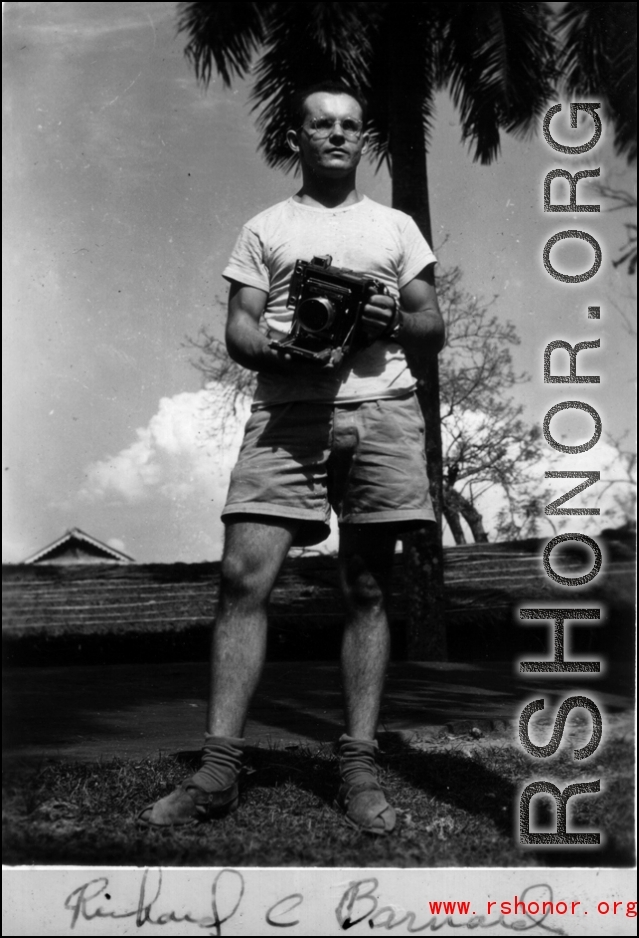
180	453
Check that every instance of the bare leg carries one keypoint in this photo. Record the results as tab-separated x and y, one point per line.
253	554
366	559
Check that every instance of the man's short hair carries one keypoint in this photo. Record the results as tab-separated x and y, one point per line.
330	86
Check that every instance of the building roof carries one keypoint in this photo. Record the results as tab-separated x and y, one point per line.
76	537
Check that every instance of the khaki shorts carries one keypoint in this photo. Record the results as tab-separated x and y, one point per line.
364	460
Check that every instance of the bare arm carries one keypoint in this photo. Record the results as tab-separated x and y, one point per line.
421	329
246	344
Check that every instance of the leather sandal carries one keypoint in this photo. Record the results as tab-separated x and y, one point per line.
189	804
366	809
211	793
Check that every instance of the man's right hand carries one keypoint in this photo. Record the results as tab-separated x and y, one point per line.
326	361
249	347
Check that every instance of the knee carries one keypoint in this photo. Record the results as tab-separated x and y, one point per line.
362	588
242	581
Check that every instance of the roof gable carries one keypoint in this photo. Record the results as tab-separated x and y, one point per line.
76	546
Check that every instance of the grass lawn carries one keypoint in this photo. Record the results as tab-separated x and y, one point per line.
455	798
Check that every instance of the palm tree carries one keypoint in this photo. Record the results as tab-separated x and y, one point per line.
495	58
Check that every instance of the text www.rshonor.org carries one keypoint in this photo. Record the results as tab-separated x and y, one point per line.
517	906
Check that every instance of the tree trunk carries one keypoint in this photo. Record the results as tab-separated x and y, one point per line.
452	517
474	520
456	504
423	555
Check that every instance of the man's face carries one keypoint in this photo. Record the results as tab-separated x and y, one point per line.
327	141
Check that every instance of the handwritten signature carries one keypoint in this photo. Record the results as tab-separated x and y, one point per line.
357	904
227	891
389	917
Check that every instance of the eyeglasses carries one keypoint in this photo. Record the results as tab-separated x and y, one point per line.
321	127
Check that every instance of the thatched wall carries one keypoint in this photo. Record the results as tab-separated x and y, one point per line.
77	608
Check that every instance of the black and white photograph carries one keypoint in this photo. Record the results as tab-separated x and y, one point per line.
319	462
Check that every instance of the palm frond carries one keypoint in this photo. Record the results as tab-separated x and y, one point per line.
599	58
226	34
498	60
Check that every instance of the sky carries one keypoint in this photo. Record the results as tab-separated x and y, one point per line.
125	185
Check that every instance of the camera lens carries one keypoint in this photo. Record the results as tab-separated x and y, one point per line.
316	314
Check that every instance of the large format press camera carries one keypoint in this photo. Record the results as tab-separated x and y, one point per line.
328	305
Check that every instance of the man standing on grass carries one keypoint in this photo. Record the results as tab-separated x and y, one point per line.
347	435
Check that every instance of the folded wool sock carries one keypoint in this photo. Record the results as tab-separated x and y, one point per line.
222	759
357	760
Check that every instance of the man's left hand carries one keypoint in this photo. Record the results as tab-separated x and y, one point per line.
378	314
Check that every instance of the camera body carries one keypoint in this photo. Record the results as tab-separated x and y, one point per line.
328	305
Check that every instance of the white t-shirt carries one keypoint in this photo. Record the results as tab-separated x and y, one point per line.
366	237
